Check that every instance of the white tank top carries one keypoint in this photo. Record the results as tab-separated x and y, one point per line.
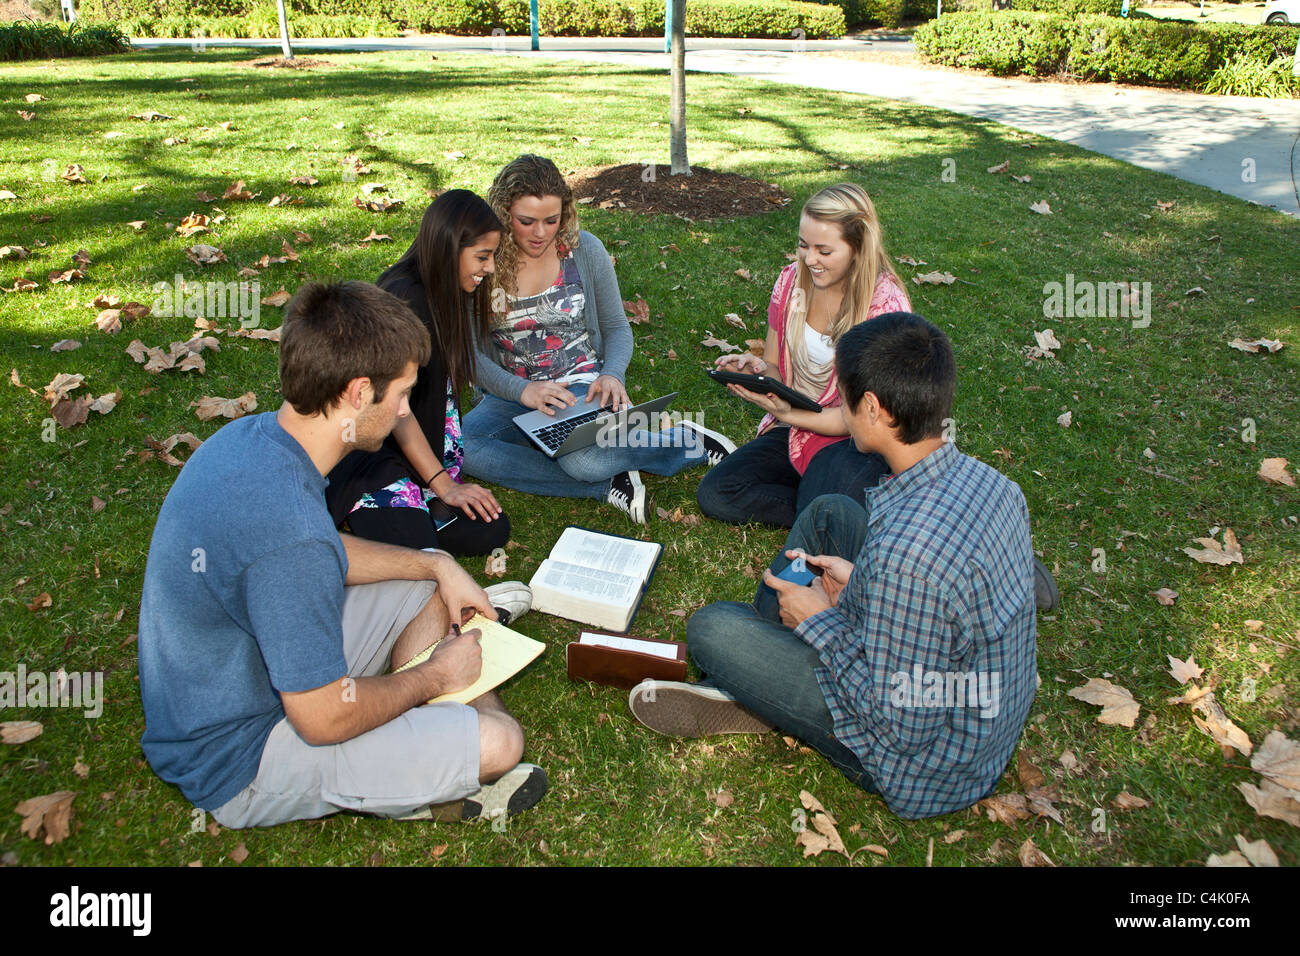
819	348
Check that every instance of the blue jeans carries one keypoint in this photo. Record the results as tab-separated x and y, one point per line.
757	482
497	450
749	653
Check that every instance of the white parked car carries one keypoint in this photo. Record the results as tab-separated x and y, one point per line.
1281	12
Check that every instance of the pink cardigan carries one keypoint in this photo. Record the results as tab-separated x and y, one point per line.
889	296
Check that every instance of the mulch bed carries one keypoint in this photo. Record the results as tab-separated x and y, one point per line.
297	63
703	195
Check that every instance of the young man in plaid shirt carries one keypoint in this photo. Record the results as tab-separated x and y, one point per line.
910	660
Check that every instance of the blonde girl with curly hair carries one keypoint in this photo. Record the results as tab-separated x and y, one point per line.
841	276
559	336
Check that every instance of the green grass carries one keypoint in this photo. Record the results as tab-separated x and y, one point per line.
621	794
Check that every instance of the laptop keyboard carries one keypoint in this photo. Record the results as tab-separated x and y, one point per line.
553	436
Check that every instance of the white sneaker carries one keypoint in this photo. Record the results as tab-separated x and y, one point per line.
627	494
717	446
512	600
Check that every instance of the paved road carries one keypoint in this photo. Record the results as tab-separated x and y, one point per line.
1238	145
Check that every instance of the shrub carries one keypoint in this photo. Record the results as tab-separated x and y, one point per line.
29	40
1148	52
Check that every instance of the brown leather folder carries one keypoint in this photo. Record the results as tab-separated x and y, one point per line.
622	668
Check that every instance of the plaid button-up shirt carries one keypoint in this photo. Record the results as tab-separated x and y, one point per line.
930	662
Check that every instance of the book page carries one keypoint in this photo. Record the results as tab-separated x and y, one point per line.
606	552
604	587
666	651
505	654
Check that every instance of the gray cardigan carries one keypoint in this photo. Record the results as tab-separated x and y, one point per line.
611	336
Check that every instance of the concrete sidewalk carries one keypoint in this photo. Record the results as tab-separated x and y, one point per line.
1238	145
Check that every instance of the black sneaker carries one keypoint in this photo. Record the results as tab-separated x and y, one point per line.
627	494
517	791
717	446
1046	595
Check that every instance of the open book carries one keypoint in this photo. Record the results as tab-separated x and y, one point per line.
595	579
505	654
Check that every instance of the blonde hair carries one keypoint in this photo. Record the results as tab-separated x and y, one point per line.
848	206
528	175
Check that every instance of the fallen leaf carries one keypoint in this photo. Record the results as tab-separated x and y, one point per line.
827	837
164	447
1020	179
204	196
1030	776
304	181
1118	705
61	385
439	850
80	769
109	321
1273	471
1030	855
40	602
151	116
1041	207
65	345
382	204
1183	671
26	115
204	255
725	346
1229	552
22	285
209	407
954	836
638	312
1006	808
1267	345
1165	596
105	301
74	174
1041	800
284	199
743	273
237	191
732	318
1231	858
909	261
723	799
934	278
1258	853
19	731
52	812
13	252
34	97
97	503
106	402
276	299
1217	725
1064	420
1047	340
7	194
1278	758
377	237
1001	167
1271	800
304	238
135	310
1126	801
66	275
1195	291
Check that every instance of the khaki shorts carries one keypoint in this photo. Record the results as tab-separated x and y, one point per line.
429	754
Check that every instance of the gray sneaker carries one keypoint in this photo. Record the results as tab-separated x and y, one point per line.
691	710
517	791
512	600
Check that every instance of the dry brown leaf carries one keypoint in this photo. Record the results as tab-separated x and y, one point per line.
304	181
1278	758
22	285
106	402
284	199
954	836
303	238
824	824
723	798
1217	725
26	115
743	273
270	335
1030	855
151	116
1020	179
1213	552
1001	167
238	192
106	301
1127	801
382	204
65	275
65	345
909	261
1165	596
1271	800
732	318
276	299
1231	858
109	321
1273	470
1006	808
638	312
134	311
40	602
377	237
1117	704
717	343
934	278
80	769
1183	671
97	503
13	252
74	174
19	731
1030	776
61	385
290	253
52	812
164	447
209	407
1065	420
1041	800
204	255
71	412
1259	853
1041	207
1256	346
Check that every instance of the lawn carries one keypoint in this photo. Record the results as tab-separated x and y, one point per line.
1154	456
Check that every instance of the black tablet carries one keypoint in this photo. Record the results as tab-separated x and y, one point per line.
764	385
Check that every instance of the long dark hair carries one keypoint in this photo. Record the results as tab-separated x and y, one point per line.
455	220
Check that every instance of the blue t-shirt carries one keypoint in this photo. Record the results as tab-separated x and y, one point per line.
243	597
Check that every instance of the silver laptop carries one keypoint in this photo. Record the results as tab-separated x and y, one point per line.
577	427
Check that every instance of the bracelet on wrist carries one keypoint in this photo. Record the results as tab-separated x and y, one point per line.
429	483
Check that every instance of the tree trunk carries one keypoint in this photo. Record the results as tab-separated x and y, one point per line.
677	119
285	48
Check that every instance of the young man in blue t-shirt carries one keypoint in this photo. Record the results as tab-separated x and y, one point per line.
909	661
266	637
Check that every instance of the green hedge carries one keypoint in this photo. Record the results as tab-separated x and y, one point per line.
1071	8
29	40
737	18
1146	52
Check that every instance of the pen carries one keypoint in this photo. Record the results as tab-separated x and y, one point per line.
455	629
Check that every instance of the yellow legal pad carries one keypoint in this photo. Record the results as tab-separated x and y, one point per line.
505	654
